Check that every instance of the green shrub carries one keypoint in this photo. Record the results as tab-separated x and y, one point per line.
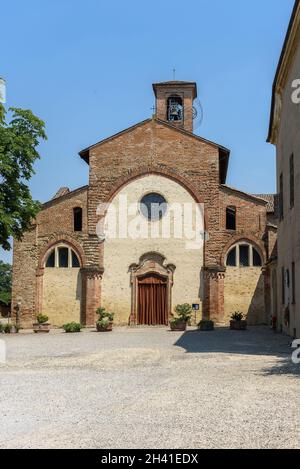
103	314
1	327
175	321
42	318
237	316
184	312
103	323
206	324
7	328
72	327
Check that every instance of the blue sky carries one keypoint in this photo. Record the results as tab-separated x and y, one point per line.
86	68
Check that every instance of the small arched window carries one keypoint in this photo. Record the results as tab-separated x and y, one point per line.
243	255
231	218
77	218
174	109
62	257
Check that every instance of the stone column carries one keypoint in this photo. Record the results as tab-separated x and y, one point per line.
39	291
91	294
213	304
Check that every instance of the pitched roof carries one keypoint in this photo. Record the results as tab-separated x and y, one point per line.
84	154
245	194
270	199
61	191
287	52
63	194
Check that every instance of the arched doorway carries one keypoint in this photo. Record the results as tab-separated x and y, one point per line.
152	301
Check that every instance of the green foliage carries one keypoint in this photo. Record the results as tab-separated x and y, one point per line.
5	281
7	328
18	142
42	318
104	323
103	314
1	327
237	316
184	312
175	321
72	327
206	324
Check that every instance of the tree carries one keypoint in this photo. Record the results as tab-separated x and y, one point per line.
5	282
18	142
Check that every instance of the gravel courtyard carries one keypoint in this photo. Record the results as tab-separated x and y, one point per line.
150	388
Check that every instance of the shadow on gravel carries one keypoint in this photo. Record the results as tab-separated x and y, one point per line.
259	341
283	367
254	341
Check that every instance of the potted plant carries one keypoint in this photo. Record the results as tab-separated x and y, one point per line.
42	324
206	325
72	327
8	328
105	321
238	323
184	314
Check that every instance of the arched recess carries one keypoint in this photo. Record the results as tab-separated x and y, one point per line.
120	252
142	172
127	179
59	289
244	283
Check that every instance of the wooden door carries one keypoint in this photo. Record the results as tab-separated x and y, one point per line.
152	300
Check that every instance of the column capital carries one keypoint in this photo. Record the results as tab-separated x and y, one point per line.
214	271
92	272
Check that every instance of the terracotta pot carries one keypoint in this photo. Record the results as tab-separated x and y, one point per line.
238	325
179	326
104	329
45	327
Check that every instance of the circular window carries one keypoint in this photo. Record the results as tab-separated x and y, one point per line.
153	206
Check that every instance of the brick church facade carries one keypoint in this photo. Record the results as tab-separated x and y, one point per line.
63	268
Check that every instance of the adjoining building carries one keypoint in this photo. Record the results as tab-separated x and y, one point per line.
284	133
